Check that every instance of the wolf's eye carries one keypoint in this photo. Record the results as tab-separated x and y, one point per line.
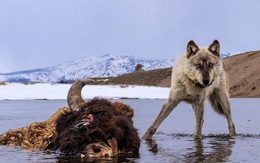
198	65
211	65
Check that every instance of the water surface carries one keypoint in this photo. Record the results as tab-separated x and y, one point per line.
173	138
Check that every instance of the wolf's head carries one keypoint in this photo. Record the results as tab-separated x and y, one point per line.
203	64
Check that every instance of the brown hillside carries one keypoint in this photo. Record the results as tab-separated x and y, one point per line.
244	75
2	83
149	78
243	71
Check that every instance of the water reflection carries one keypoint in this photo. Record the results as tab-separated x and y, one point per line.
89	160
152	146
78	159
174	144
211	149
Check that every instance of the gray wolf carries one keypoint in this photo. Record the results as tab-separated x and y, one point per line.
197	75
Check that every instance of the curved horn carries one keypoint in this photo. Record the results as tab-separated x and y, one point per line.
74	98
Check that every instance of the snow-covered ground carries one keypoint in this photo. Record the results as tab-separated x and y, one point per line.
16	91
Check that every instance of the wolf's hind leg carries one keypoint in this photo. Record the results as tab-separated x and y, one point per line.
219	101
167	108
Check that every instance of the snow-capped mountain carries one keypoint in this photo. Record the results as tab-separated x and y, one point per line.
104	66
225	55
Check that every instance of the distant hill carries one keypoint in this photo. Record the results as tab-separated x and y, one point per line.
243	71
244	74
104	66
148	78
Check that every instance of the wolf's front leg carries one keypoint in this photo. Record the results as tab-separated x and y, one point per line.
199	113
167	108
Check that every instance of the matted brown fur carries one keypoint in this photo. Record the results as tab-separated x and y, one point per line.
111	120
37	135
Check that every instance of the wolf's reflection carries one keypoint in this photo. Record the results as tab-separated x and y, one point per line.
211	149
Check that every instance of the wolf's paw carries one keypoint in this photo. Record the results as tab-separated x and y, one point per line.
233	134
232	131
197	137
149	134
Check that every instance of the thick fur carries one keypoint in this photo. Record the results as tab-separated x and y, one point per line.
197	75
109	122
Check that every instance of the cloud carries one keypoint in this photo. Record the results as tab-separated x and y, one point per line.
46	33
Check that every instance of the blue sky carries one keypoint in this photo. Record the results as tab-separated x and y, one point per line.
41	33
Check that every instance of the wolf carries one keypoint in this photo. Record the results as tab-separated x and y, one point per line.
197	75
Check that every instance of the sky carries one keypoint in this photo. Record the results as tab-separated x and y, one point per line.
43	33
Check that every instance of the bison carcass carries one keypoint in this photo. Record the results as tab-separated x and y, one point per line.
96	128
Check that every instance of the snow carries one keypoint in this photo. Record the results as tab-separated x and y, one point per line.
104	66
16	91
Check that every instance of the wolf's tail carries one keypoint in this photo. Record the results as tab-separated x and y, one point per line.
216	103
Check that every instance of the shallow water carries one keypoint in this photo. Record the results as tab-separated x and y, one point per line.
173	138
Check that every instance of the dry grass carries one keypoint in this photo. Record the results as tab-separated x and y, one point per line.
2	83
244	76
148	78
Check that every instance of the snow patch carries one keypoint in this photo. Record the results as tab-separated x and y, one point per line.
16	91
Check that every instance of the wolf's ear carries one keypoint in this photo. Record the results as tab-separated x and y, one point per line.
215	48
192	48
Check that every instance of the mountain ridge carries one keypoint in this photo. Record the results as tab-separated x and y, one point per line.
104	66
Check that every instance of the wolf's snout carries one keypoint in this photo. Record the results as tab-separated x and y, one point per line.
205	82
